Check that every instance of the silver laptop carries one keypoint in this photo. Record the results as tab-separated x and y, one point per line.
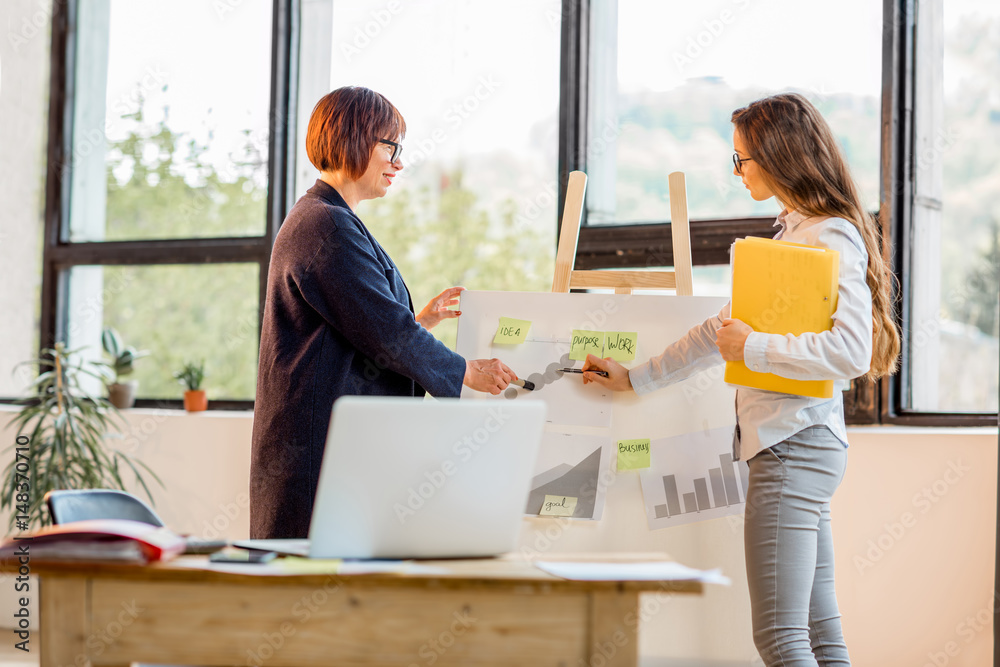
415	478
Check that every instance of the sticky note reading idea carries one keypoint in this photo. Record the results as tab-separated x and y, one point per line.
511	331
558	506
620	345
584	343
633	454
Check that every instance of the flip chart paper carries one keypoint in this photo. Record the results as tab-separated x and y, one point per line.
620	345
585	342
558	506
511	331
633	454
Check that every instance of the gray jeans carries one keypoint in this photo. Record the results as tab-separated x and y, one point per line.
789	550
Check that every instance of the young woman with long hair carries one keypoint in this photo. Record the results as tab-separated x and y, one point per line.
796	446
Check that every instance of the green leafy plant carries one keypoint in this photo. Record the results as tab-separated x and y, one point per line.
61	439
122	356
191	375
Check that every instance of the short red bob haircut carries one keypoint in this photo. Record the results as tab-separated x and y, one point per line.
345	126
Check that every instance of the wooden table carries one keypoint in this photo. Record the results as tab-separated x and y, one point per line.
470	612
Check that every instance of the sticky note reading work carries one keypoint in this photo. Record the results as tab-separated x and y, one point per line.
584	343
558	506
620	345
633	454
511	331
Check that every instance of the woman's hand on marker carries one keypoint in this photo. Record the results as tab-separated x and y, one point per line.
617	380
439	308
490	375
731	337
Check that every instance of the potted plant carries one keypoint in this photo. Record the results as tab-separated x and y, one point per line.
120	394
61	440
191	376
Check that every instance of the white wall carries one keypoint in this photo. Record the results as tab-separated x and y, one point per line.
914	526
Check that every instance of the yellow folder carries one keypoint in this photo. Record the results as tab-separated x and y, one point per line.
783	288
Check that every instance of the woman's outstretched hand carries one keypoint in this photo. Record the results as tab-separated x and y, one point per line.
491	375
731	337
617	380
439	308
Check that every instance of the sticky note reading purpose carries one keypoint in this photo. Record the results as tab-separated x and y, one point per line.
512	331
620	345
558	506
584	343
633	454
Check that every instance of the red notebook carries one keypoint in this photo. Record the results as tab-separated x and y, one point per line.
98	540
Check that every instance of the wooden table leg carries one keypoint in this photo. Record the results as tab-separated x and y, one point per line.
63	621
614	623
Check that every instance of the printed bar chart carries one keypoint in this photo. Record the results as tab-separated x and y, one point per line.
724	490
694	478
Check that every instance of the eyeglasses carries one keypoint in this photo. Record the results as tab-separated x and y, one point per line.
738	162
397	149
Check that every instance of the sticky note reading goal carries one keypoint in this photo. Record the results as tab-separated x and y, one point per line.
511	331
633	454
584	343
558	506
620	345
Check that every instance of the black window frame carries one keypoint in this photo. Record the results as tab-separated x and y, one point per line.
59	255
630	245
625	245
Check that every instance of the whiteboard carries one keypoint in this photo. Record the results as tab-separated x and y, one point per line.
714	626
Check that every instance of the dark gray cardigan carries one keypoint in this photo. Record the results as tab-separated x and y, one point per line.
338	321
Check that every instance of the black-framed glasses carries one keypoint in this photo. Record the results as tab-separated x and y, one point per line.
397	149
738	162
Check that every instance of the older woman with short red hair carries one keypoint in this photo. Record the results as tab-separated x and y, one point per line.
338	319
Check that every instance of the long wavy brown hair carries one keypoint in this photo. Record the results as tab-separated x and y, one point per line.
803	165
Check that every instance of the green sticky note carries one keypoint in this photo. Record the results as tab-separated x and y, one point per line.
584	343
633	454
558	506
511	331
620	345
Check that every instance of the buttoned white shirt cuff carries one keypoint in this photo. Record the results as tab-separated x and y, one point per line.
755	352
642	381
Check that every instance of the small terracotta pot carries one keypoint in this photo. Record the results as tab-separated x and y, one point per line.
195	401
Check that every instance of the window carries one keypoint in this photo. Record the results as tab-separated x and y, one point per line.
170	169
953	273
159	222
665	78
479	88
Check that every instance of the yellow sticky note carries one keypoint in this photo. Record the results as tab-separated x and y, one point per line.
620	345
512	331
558	506
586	342
296	565
633	454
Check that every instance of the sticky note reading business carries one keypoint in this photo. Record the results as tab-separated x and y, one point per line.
633	454
584	343
620	345
512	331
558	506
